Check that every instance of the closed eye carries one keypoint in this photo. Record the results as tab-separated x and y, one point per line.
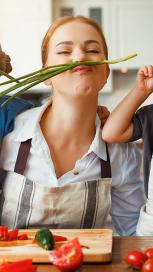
64	52
92	51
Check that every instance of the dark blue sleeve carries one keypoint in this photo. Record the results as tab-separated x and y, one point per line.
143	128
137	126
9	112
143	124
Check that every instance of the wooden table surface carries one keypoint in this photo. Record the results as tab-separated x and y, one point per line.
121	246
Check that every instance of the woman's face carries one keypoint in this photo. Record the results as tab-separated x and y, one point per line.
77	41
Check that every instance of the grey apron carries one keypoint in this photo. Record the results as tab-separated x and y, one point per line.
28	204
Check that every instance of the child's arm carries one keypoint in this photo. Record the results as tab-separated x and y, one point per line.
119	126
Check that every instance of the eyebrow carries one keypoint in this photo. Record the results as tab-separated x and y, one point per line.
70	42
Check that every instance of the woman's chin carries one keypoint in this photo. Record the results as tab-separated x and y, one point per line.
83	90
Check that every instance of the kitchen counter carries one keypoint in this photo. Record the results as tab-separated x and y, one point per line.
121	246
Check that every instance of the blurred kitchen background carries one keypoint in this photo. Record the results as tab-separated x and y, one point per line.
127	25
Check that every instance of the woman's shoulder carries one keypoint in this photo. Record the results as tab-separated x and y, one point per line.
28	114
24	125
28	118
33	114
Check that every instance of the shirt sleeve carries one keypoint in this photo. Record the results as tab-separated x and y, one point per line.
137	126
127	188
145	223
9	112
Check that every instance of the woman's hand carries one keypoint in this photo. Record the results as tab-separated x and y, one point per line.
145	79
103	114
5	62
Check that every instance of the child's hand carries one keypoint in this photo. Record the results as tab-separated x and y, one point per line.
145	79
103	114
5	62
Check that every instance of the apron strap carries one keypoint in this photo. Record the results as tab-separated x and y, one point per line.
24	150
22	157
105	166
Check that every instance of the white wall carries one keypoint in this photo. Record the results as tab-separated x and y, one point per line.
23	24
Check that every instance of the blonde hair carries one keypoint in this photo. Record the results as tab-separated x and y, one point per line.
61	21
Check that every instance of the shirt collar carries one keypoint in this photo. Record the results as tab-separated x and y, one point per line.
27	130
98	146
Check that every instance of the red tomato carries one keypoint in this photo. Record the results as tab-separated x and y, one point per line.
23	236
149	252
68	257
136	259
148	266
59	238
13	235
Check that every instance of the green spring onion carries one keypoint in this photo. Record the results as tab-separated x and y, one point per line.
32	79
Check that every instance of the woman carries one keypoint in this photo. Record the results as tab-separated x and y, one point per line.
55	159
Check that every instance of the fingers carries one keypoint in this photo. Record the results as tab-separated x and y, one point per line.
5	62
8	64
146	71
103	114
150	70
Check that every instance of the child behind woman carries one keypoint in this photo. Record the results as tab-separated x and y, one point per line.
124	125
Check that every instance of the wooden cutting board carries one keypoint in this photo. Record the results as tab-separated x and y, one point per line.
96	245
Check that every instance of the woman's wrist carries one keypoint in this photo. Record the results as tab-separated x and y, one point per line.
141	93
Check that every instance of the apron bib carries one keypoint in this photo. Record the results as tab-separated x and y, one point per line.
28	204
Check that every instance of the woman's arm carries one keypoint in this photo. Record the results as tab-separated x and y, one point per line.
119	126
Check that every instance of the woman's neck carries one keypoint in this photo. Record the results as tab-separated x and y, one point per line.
71	120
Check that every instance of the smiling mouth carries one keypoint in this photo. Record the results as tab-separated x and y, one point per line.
82	69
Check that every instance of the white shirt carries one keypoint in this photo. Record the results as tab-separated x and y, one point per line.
127	186
145	223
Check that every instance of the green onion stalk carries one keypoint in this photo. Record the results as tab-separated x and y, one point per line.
23	83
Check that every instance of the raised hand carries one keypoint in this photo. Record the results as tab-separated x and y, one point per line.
5	62
103	114
145	79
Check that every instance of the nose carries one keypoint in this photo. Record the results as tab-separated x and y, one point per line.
78	55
